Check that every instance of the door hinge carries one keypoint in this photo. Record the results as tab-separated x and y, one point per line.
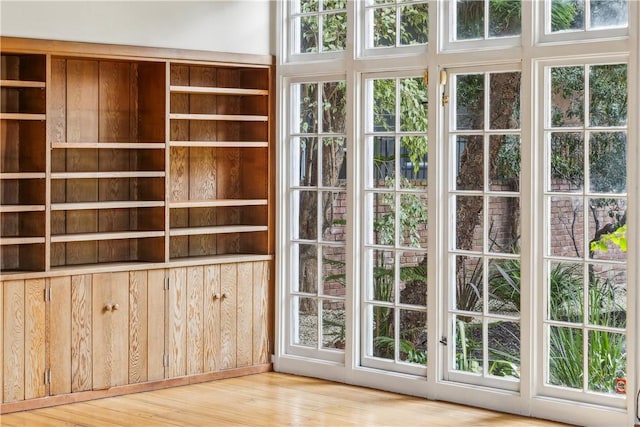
165	360
443	82
166	283
47	376
47	294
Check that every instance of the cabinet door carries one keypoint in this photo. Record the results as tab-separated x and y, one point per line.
23	339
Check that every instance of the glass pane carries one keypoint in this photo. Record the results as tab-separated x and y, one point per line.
308	108
413	166
565	232
384	105
609	13
504	163
308	34
469	344
413	336
382	275
414	24
469	223
607	295
469	288
308	6
504	104
334	4
504	225
608	162
334	266
334	211
567	96
307	269
469	93
565	292
306	173
334	32
608	95
413	220
607	360
383	332
384	161
413	278
567	15
334	101
307	214
504	349
334	164
567	162
413	111
333	324
384	221
470	19
504	287
504	18
384	27
607	229
565	357
470	162
306	332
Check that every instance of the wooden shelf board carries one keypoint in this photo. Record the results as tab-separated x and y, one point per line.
21	208
6	241
220	229
217	90
118	145
22	175
219	117
22	116
105	205
84	175
22	83
218	259
86	237
222	144
216	203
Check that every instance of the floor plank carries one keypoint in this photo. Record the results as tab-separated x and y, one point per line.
270	399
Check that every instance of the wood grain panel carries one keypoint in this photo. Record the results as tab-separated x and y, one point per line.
13	345
114	101
260	312
57	92
195	291
3	326
151	102
155	324
211	321
244	304
101	328
228	321
202	104
177	322
138	327
81	356
82	100
119	339
60	328
35	362
179	170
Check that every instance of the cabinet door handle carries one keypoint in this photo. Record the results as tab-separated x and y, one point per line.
225	295
115	306
108	307
216	296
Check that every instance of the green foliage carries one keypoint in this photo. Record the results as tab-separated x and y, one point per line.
617	238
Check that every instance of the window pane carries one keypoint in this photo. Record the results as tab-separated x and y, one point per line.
307	269
504	18
504	287
504	168
308	34
306	203
470	159
414	24
470	19
608	162
334	166
306	310
469	287
565	232
567	162
383	332
382	275
607	295
384	105
413	220
609	13
334	32
306	173
383	163
384	221
504	225
333	324
607	360
413	336
334	101
333	271
469	93
608	95
606	218
469	344
505	101
413	111
334	4
308	6
565	357
308	108
413	278
564	298
567	15
384	27
567	96
413	166
334	211
504	349
469	223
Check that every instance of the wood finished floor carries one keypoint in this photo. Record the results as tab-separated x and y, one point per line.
270	399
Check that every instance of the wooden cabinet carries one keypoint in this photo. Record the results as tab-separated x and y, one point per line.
136	218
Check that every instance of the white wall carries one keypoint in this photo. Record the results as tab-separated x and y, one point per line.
239	26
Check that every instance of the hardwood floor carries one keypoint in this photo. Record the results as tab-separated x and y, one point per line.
269	399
